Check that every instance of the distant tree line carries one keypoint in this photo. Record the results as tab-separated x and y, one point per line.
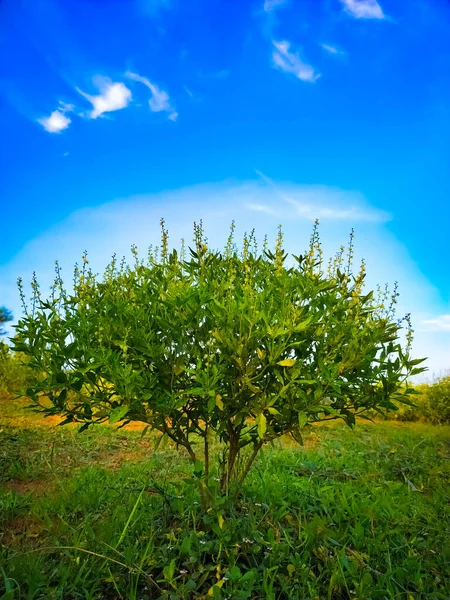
5	316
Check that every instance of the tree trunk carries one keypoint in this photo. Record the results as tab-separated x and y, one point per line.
228	466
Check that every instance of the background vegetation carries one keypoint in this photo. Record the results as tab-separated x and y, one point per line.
432	404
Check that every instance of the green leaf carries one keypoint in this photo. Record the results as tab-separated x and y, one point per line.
417	371
163	439
219	402
297	436
416	361
169	571
145	430
302	326
262	425
287	362
194	391
302	419
198	467
117	414
249	575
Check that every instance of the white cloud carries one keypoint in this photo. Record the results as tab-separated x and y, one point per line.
364	9
114	226
113	96
440	323
56	122
290	62
331	49
159	100
270	5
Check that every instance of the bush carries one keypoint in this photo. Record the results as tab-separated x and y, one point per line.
432	404
15	375
235	344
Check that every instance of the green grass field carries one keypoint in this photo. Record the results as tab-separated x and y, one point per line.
360	514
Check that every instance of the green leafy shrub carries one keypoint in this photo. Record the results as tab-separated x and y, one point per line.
239	345
432	404
15	375
438	401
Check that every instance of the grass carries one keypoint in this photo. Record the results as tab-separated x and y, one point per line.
360	513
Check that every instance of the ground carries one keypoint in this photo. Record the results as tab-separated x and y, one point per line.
360	513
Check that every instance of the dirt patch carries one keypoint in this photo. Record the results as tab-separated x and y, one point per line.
135	426
116	459
21	531
38	487
32	420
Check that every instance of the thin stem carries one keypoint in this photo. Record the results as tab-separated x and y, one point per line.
206	451
177	441
256	448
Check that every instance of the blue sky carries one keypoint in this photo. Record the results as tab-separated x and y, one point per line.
115	113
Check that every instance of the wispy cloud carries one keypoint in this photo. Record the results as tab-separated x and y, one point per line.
440	323
153	7
270	5
159	99
57	121
312	202
195	97
223	74
113	96
262	208
290	62
364	9
331	49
